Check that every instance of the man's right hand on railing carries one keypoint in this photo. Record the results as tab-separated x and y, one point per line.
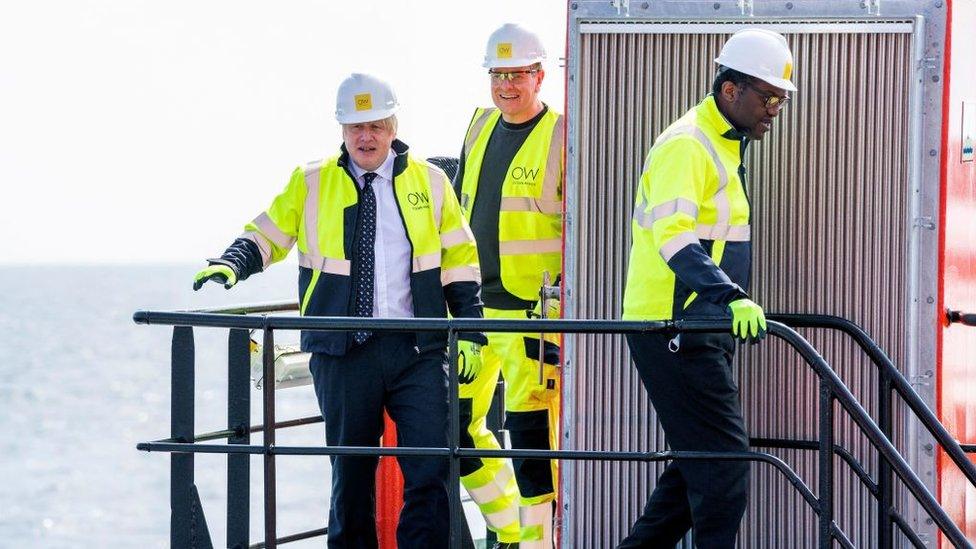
221	274
748	320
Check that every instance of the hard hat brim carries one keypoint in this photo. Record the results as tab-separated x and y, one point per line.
780	83
367	116
512	63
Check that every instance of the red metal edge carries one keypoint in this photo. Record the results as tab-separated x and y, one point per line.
943	189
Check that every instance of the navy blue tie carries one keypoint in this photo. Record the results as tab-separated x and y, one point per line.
365	252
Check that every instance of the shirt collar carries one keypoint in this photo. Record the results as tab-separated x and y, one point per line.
385	171
714	117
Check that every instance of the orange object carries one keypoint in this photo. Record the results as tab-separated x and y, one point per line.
389	490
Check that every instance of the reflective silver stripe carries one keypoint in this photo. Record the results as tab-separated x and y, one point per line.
672	207
536	522
475	130
325	264
529	204
536	514
437	178
494	489
721	198
502	518
426	262
640	211
523	247
312	183
457	236
263	245
735	233
465	273
550	186
678	243
270	230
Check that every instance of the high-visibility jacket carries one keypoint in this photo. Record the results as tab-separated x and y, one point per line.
691	253
530	224
319	210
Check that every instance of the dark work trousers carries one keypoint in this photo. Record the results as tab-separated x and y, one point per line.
697	401
386	371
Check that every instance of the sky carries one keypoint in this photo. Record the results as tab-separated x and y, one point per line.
136	131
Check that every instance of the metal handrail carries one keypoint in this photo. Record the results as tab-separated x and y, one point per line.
832	388
900	384
890	379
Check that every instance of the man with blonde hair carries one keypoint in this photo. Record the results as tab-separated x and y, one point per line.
380	234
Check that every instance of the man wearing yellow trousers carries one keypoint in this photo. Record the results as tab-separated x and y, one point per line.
510	187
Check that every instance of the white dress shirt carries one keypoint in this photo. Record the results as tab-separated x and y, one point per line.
391	273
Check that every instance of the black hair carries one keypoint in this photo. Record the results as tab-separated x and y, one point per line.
726	74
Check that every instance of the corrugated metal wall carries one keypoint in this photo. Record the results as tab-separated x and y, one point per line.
830	193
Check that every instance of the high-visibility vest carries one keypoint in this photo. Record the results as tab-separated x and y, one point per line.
690	194
318	210
530	224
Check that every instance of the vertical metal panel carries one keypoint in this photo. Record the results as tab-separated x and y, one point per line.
830	194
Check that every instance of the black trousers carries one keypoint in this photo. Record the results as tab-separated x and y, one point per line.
385	372
697	401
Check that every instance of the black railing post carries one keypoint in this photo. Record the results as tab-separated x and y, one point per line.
181	498
454	435
885	482
826	469
239	421
268	384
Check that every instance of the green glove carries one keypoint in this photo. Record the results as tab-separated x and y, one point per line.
748	320
218	273
469	361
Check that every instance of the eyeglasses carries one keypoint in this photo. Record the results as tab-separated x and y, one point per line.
515	77
771	101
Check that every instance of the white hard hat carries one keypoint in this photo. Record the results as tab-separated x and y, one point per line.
513	46
364	98
761	53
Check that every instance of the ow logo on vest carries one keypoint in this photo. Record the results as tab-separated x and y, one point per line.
419	201
524	175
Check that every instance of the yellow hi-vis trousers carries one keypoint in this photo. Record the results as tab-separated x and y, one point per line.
532	416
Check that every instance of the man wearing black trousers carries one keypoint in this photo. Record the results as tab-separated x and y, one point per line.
380	233
691	258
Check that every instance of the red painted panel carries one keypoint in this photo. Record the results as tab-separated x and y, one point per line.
957	369
389	491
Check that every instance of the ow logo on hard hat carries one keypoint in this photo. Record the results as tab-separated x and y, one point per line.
504	50
419	201
364	101
787	71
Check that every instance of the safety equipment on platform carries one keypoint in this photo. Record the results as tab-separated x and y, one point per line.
290	366
469	361
547	307
218	273
530	222
364	98
761	53
683	242
513	46
748	320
